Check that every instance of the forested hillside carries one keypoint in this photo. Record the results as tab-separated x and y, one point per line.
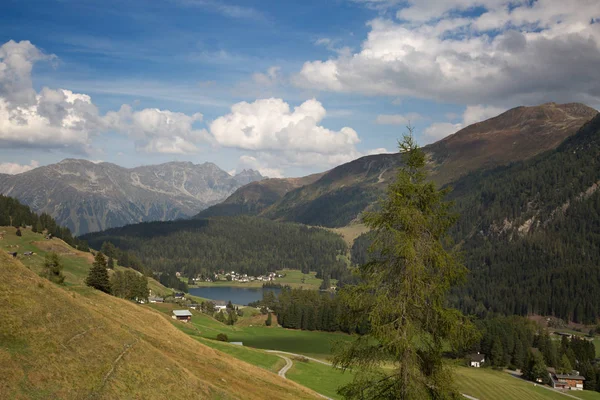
530	233
243	244
13	213
518	134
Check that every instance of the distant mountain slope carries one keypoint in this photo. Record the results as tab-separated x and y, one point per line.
518	134
254	197
531	232
62	343
87	197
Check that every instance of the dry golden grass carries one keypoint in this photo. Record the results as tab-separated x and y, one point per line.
79	343
350	232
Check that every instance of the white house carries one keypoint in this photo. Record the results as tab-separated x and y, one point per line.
475	360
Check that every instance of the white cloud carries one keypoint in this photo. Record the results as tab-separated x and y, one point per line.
280	137
66	120
14	168
158	131
397	119
471	115
271	77
514	52
270	124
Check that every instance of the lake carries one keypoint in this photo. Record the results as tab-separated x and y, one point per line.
237	295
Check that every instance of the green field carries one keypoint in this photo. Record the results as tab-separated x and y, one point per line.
488	384
311	343
321	378
292	278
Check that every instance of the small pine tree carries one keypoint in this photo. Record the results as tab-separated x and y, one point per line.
269	320
53	268
98	275
18	233
111	263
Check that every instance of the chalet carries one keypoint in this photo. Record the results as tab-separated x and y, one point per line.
572	381
155	299
476	360
179	296
28	253
182	315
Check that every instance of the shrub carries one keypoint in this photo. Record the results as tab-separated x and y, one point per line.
222	337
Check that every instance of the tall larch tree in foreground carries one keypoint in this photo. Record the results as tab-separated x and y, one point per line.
403	294
98	275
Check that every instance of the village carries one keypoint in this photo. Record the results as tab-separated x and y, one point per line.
235	277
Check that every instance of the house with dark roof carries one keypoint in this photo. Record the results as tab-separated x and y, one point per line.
182	315
572	381
476	360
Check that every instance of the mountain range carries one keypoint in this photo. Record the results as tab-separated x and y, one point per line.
86	196
337	197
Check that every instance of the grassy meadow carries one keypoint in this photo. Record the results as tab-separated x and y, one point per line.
488	384
76	263
253	333
293	278
74	342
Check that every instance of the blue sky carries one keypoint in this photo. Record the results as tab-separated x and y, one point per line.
144	82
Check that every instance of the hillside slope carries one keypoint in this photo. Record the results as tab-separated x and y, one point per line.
254	197
531	232
80	343
341	194
87	197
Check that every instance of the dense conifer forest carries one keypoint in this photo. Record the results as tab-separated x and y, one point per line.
530	234
243	244
13	213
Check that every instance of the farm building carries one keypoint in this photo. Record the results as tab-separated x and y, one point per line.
476	360
155	299
572	381
182	315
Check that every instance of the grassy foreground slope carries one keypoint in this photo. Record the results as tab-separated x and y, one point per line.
73	343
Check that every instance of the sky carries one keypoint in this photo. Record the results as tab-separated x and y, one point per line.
288	88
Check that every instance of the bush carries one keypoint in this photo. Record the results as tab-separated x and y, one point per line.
222	337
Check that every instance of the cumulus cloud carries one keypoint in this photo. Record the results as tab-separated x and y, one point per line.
280	137
14	168
397	119
60	118
270	124
471	115
442	50
158	131
51	118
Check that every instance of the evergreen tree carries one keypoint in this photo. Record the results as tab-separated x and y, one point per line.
231	318
220	317
565	366
535	368
110	263
326	284
269	320
98	275
497	353
403	294
52	269
18	233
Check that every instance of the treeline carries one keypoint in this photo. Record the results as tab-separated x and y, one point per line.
519	343
243	244
310	310
13	213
